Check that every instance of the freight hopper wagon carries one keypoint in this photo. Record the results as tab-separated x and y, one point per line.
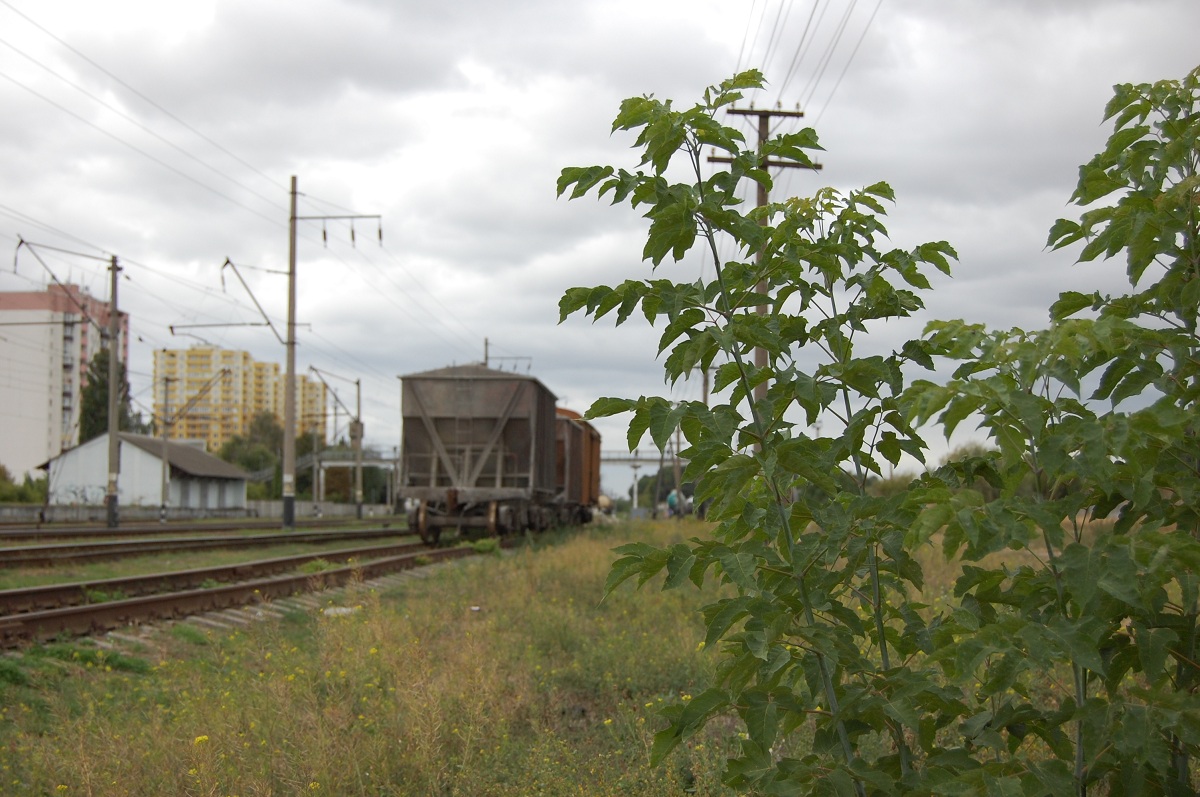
577	466
479	454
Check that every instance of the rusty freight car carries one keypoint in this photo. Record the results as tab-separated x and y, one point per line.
479	454
577	465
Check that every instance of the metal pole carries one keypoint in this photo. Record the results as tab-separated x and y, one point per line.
357	435
391	482
678	473
315	464
397	477
658	482
635	486
114	390
289	382
166	413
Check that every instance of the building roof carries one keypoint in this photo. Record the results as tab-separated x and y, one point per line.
185	457
471	370
474	371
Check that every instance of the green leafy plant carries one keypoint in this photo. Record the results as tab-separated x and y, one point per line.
314	566
486	545
189	633
1065	660
821	633
102	596
1099	412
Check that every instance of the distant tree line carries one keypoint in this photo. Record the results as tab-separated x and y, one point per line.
261	448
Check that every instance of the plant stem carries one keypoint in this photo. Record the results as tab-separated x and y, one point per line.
785	522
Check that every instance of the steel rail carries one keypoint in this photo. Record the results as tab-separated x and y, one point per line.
57	531
43	555
39	626
53	596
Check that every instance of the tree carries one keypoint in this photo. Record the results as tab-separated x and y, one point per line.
93	402
1104	403
31	491
1071	668
258	449
818	632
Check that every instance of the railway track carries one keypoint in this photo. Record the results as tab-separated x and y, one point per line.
11	531
54	596
39	625
96	550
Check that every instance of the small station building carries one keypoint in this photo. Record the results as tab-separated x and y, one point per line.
197	482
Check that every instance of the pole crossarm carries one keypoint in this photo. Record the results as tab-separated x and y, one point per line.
764	120
351	217
331	218
768	112
174	327
771	163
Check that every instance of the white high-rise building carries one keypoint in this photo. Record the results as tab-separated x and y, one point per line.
47	340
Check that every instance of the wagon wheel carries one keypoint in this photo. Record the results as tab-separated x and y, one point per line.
429	534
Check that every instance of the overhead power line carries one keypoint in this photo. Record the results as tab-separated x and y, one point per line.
801	50
829	51
141	96
109	107
850	60
137	149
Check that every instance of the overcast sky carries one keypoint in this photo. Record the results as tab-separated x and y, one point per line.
166	133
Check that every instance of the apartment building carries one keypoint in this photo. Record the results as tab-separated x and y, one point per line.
212	394
47	340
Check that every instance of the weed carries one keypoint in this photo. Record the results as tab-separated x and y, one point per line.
542	689
86	656
102	596
315	566
189	633
486	545
11	673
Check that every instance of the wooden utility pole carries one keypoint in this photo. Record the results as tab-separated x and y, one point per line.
111	512
764	132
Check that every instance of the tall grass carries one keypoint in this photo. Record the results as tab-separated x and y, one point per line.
501	675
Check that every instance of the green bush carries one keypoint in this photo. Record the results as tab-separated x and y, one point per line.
1069	665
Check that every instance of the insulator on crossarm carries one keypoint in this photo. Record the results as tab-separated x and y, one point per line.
324	236
352	233
381	235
